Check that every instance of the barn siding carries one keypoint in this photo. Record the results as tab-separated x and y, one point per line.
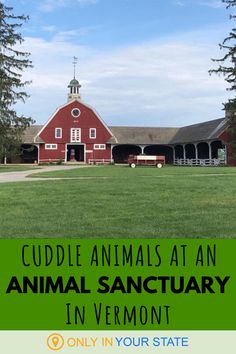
64	119
231	154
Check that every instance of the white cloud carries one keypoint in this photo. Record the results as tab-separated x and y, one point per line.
50	29
155	83
211	3
178	3
77	32
50	5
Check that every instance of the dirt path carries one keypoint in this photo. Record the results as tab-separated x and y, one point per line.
22	175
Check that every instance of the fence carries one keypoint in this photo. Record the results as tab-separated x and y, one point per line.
100	161
199	162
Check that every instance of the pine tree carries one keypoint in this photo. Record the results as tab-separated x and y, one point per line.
12	87
227	68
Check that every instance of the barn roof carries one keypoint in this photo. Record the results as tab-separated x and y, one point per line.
209	130
143	135
30	134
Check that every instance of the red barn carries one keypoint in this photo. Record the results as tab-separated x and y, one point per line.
75	132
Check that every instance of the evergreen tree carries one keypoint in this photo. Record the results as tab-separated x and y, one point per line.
227	67
12	87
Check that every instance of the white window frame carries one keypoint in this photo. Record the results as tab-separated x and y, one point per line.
75	135
75	115
94	130
99	146
58	130
50	146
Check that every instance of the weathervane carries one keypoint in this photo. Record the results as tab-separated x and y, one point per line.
75	62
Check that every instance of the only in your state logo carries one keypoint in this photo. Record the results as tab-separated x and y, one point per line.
55	341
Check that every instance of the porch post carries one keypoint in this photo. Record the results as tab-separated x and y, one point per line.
210	150
184	151
142	147
226	155
196	151
111	152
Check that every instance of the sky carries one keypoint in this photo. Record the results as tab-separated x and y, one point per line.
140	62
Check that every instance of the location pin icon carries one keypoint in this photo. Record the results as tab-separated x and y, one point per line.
55	341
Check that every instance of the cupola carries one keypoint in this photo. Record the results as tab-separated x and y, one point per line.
74	85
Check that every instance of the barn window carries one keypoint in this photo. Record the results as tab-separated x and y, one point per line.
75	112
58	133
50	146
92	133
75	135
99	147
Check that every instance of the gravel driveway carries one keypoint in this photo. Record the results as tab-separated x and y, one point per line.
22	175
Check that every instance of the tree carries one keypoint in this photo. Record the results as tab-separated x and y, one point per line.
13	62
227	68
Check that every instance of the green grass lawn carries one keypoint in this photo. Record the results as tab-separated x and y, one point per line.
15	168
127	172
122	202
